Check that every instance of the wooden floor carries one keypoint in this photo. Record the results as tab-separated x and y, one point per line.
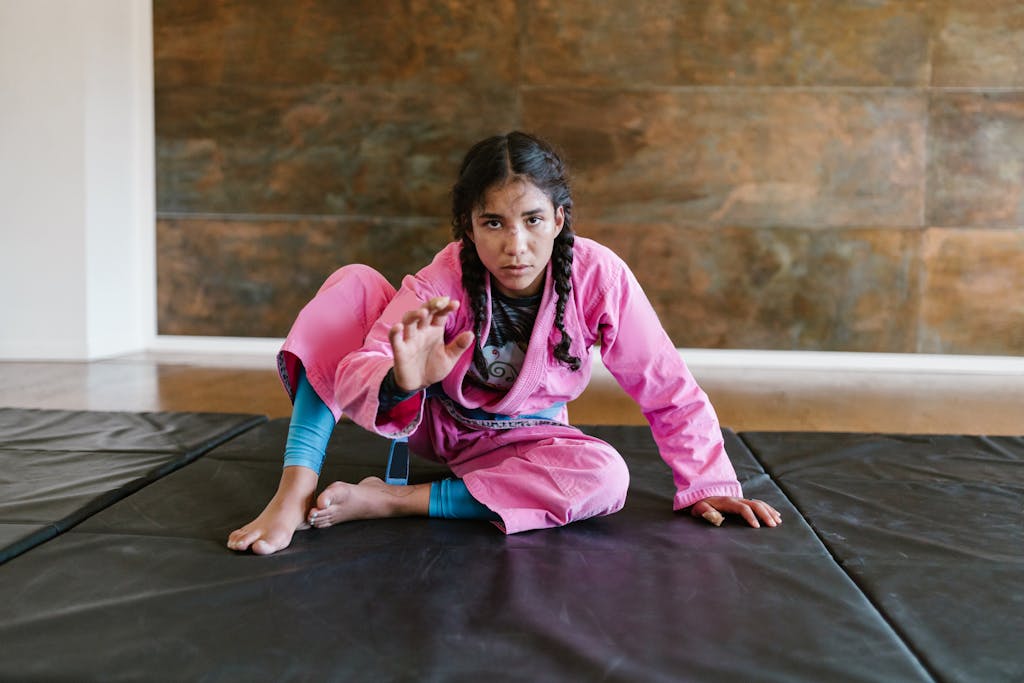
746	399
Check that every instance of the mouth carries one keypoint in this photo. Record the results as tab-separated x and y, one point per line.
516	268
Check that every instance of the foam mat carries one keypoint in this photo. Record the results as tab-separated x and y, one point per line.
146	590
931	528
59	467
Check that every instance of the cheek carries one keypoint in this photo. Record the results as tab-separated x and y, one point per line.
485	250
546	246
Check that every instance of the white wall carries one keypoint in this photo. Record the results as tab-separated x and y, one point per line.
76	178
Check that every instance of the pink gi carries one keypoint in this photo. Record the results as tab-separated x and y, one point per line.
534	476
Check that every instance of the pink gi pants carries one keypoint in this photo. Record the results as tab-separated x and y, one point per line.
532	477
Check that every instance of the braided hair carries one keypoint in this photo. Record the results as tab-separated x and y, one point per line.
492	162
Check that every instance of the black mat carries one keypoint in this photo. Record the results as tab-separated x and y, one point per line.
146	590
59	467
930	527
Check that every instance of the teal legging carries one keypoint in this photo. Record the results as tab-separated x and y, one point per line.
450	499
310	429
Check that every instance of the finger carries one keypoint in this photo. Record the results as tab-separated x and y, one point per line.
421	319
705	510
415	317
459	345
713	516
440	308
398	335
765	512
747	513
438	304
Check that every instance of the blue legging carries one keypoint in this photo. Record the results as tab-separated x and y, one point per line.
310	429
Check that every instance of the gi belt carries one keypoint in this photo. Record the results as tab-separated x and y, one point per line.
482	419
397	471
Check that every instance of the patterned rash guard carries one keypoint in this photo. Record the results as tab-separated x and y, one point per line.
511	325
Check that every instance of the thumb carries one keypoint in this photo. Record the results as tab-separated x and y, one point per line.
462	342
704	509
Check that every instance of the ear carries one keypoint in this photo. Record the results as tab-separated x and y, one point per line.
559	220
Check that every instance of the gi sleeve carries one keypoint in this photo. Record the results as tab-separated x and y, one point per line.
639	354
359	376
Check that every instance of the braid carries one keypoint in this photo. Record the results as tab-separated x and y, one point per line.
561	270
473	274
489	163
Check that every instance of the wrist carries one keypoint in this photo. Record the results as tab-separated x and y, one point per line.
392	392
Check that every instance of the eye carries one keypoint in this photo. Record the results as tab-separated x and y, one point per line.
493	224
535	220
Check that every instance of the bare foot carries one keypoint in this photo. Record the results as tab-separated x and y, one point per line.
283	516
271	531
369	499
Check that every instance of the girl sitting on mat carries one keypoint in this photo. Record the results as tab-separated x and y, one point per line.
474	360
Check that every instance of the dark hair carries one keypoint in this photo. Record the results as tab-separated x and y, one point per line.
492	162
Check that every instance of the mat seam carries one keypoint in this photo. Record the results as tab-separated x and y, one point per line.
113	496
897	631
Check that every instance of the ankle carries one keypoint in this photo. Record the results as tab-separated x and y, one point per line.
408	501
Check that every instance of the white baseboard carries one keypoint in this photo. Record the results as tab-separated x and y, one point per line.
250	346
34	350
695	358
850	361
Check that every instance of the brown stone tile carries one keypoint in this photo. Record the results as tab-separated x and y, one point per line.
317	149
250	278
314	42
978	43
976	159
973	292
821	290
751	158
620	238
719	42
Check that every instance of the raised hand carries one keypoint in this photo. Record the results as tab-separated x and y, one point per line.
421	356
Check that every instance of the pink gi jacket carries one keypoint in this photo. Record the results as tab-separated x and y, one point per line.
608	307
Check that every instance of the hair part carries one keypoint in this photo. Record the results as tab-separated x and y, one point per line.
491	163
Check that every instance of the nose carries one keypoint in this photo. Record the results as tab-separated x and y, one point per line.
515	242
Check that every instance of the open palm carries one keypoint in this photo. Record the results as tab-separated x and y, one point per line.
421	356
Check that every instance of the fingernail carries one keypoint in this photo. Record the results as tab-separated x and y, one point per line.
713	516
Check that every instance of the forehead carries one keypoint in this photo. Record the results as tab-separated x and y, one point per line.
513	196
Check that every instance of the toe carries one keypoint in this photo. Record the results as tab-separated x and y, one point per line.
325	499
240	539
267	546
261	547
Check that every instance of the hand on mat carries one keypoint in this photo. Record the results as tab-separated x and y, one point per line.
712	508
421	356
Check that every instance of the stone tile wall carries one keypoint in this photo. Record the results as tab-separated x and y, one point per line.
803	174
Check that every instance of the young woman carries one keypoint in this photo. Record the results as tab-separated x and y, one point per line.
474	360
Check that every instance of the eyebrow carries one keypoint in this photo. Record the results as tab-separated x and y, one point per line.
531	212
